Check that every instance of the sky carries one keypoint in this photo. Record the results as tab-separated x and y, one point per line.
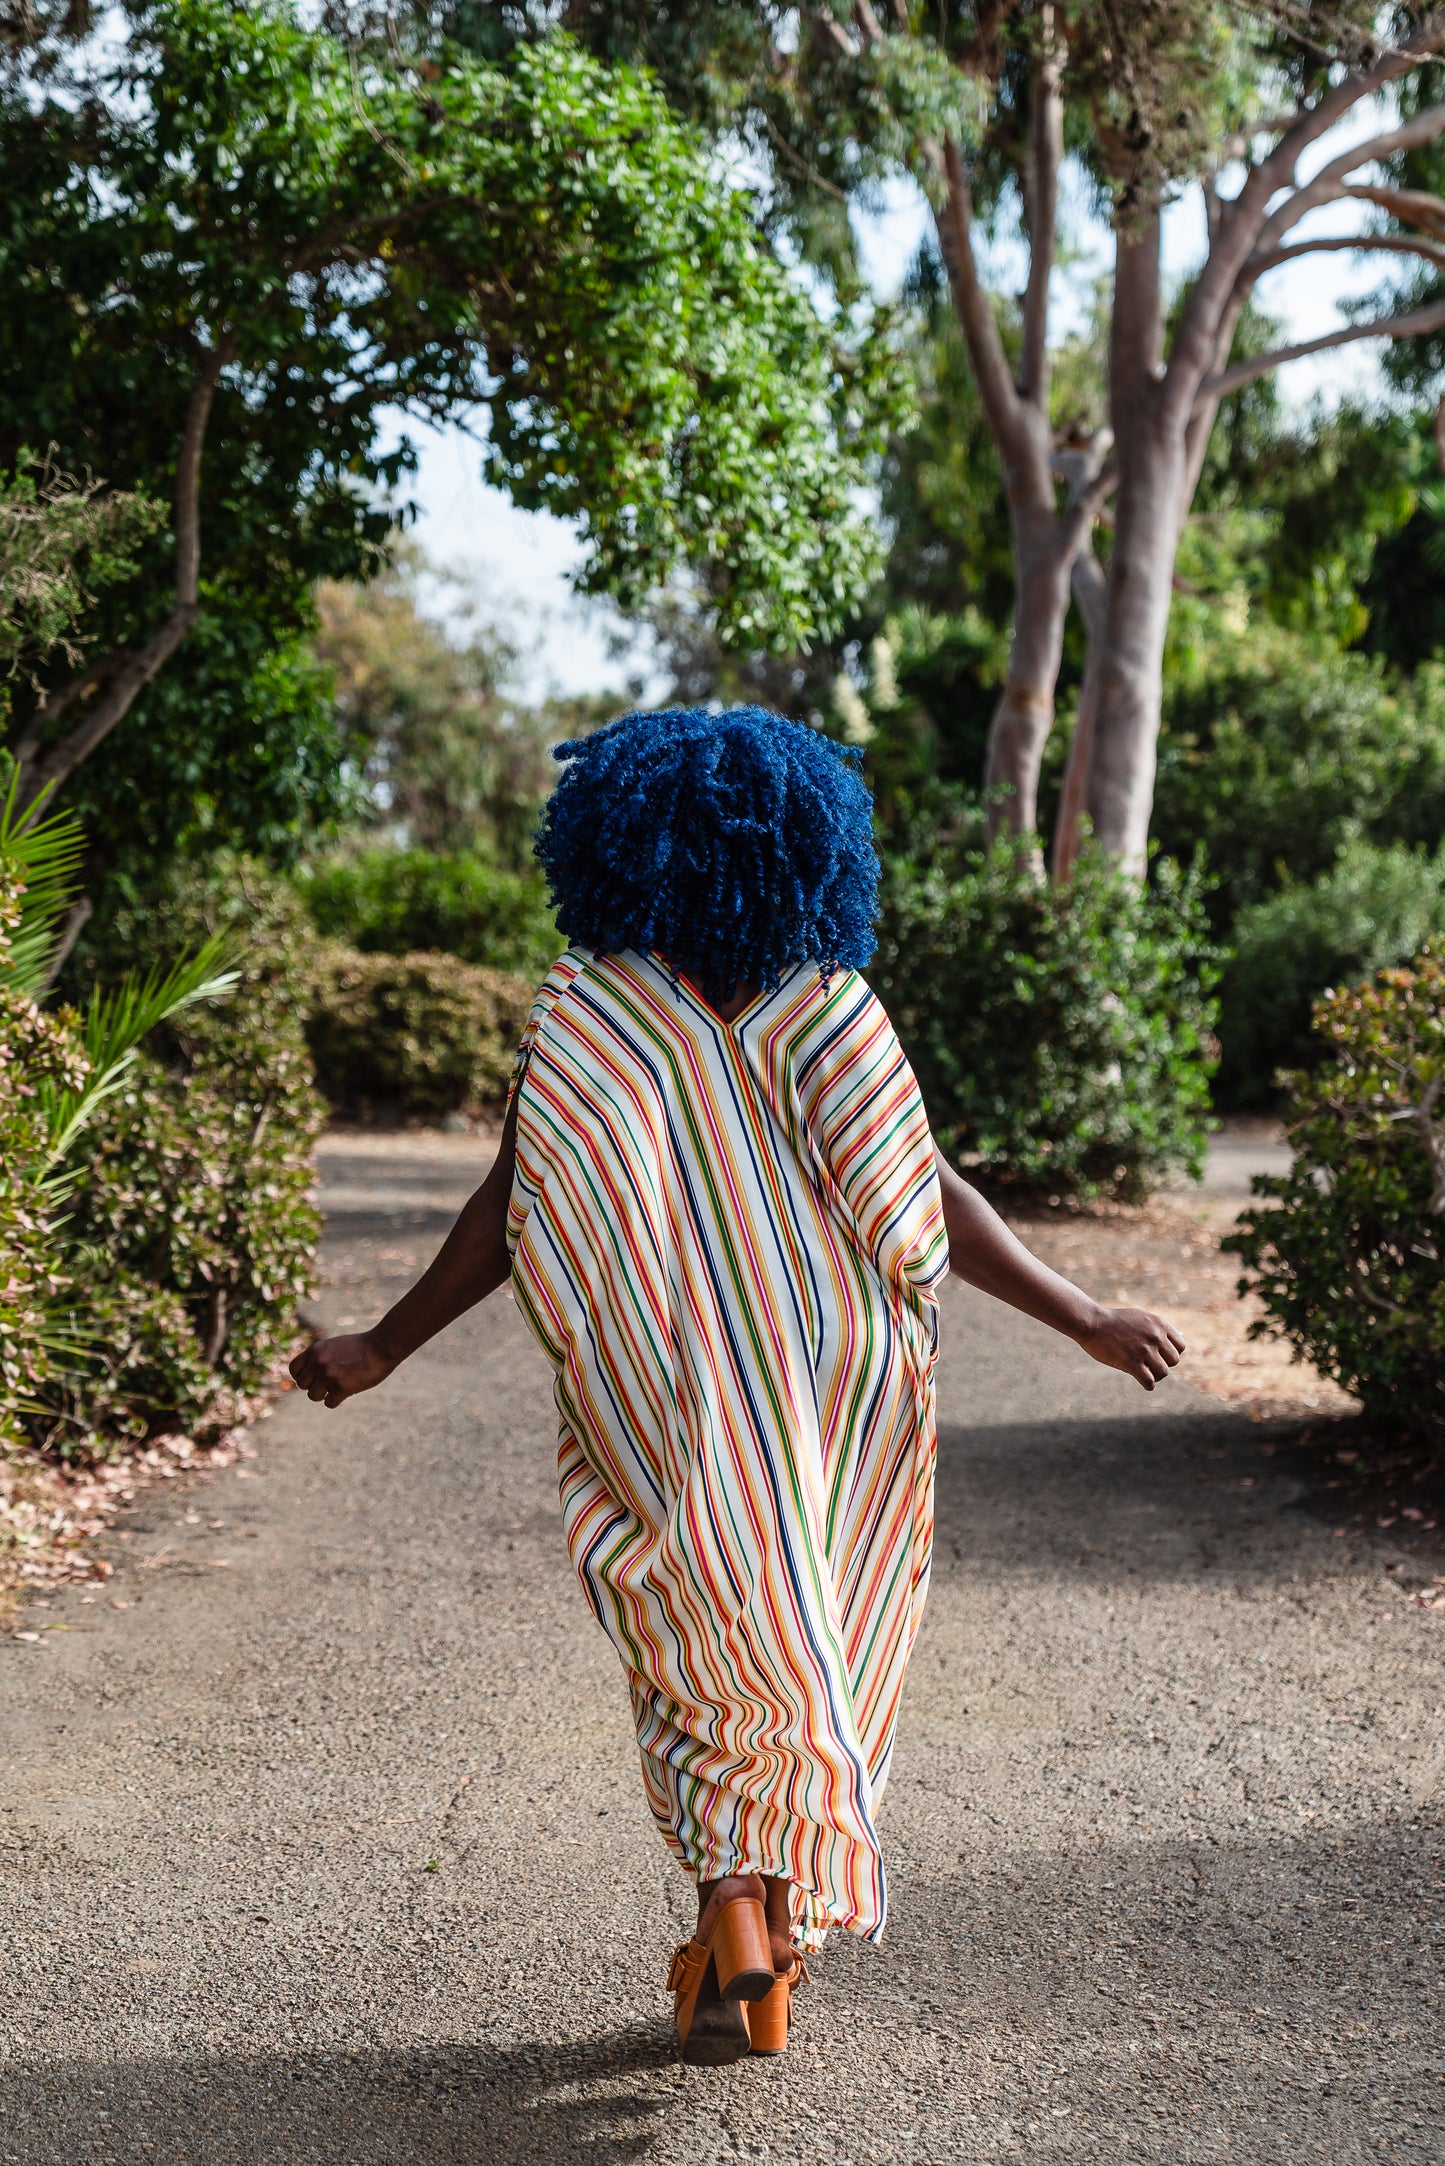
515	566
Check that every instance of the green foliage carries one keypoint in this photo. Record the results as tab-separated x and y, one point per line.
447	759
353	233
57	1073
1279	754
60	539
235	745
37	1050
923	708
1374	906
1292	514
421	1034
1061	1037
394	902
1347	1254
1403	594
191	1231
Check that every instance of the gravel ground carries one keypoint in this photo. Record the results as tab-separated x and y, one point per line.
330	1849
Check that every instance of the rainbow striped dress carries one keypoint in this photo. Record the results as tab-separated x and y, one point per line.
727	1238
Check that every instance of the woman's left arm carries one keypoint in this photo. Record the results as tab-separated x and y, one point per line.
982	1250
471	1263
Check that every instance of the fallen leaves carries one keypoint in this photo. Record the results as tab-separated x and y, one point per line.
52	1515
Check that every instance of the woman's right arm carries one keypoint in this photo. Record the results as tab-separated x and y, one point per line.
472	1262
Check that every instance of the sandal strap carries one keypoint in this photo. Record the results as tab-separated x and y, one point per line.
687	1966
796	1972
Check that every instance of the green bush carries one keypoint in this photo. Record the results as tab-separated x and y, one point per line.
1277	761
1061	1035
425	1034
1349	1257
395	902
192	1232
35	1047
1374	907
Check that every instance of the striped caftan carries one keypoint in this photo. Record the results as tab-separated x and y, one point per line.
727	1238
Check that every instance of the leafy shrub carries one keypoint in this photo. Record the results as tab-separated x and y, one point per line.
1374	907
396	902
1349	1258
192	1231
425	1033
34	1048
1278	759
1062	1035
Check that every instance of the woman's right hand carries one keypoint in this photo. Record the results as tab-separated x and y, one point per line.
1140	1344
331	1370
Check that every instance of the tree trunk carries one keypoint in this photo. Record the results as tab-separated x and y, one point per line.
1120	794
1025	712
1150	423
1017	411
1090	589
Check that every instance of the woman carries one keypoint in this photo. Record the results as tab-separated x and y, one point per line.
723	1215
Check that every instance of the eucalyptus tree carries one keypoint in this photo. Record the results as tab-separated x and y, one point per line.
234	242
1248	102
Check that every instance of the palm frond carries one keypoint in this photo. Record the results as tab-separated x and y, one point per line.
1432	503
115	1023
48	854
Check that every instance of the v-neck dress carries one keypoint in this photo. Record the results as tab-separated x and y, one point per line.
727	1237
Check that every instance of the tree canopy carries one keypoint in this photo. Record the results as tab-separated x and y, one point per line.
983	104
238	245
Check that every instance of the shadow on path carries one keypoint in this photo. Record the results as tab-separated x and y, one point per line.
445	2107
1128	1988
1166	1498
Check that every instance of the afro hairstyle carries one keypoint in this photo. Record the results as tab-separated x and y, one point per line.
737	844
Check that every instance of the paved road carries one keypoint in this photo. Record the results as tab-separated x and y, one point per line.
329	1850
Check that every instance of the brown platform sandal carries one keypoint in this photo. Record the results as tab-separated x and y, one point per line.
771	2018
711	1978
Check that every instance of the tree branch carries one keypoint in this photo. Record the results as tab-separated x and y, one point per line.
133	672
54	703
1201	418
831	28
1329	182
1243	225
1411	325
1092	475
1356	244
1317	120
989	19
972	306
1410	205
1041	203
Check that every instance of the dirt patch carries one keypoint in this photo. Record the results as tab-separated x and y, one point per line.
1165	1255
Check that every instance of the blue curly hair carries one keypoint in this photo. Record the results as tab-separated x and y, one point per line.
736	844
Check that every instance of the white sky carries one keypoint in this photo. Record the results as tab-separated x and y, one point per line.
517	564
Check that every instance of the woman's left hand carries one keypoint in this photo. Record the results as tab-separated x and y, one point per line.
337	1369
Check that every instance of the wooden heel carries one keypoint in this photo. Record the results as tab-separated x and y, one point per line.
771	2019
768	2019
741	1951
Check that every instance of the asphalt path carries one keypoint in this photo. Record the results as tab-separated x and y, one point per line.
329	1848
